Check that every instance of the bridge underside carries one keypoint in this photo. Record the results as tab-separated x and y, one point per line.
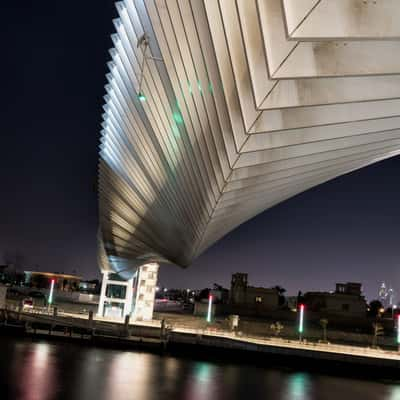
242	104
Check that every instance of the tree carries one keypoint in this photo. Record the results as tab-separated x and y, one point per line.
281	297
377	331
277	328
324	323
374	307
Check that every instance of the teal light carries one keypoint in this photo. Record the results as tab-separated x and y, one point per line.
301	320
199	86
209	310
178	117
50	299
141	96
175	130
398	329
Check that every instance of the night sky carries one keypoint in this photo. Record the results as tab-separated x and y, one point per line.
53	72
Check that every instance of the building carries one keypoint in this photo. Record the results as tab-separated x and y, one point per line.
346	301
243	296
62	282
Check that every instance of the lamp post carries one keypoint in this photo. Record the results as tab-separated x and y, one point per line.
50	299
398	332
209	311
301	322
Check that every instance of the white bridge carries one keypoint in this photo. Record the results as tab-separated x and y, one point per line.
219	109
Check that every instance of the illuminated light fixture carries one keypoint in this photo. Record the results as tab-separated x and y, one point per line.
199	85
143	43
398	330
50	300
175	130
210	300
141	96
301	321
177	117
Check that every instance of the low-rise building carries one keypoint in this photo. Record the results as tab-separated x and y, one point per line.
250	297
346	300
42	280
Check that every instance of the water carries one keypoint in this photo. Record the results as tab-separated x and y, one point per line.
44	371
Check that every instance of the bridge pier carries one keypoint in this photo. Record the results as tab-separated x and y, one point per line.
145	292
134	297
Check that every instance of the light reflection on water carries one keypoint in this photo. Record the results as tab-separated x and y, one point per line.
394	393
47	371
298	387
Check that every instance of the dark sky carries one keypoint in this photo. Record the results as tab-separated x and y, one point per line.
53	68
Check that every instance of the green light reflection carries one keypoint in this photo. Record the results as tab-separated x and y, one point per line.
178	117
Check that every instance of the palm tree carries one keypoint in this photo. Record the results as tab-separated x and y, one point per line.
324	323
277	328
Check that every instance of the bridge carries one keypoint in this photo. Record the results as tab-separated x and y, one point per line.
216	110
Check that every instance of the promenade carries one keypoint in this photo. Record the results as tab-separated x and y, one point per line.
180	334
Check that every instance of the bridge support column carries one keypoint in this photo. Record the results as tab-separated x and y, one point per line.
145	292
100	310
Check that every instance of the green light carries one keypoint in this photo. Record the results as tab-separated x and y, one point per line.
398	329
141	96
50	299
210	88
199	86
176	132
190	88
178	117
301	321
209	311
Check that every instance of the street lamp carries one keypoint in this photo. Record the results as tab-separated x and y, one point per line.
143	43
301	322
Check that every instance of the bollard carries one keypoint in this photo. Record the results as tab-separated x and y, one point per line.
91	322
126	324
55	311
91	318
162	332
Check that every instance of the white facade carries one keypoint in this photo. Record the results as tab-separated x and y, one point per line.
136	298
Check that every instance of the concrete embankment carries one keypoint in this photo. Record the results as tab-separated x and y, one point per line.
206	344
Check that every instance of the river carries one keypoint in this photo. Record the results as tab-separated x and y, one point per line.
48	370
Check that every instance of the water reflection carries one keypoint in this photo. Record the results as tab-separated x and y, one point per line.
40	371
200	384
128	376
394	393
36	373
298	387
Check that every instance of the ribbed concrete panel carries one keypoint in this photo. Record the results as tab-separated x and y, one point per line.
216	110
342	19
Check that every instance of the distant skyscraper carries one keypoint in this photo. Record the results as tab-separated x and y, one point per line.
383	294
391	296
